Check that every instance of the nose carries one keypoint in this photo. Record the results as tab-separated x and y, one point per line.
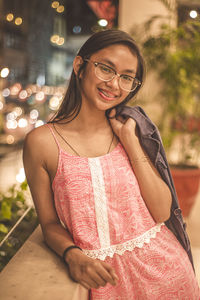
114	82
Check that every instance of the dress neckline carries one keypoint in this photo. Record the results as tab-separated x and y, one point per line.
93	157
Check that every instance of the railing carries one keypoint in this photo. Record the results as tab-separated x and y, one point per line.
37	273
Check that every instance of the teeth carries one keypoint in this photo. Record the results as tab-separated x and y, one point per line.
107	95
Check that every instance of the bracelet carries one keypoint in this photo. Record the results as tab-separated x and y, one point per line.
67	249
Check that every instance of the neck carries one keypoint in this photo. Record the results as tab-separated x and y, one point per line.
90	120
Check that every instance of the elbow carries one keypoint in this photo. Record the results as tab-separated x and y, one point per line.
162	217
164	212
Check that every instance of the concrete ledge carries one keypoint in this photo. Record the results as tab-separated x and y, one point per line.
36	273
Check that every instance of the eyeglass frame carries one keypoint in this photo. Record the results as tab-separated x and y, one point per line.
95	63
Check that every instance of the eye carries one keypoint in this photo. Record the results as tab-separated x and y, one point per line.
105	69
127	78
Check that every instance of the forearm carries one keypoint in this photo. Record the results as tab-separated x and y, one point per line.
57	237
154	190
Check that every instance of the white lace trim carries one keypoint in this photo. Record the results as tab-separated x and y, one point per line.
100	201
127	246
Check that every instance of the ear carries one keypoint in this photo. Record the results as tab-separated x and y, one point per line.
78	61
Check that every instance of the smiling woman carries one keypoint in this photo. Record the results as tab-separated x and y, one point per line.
101	184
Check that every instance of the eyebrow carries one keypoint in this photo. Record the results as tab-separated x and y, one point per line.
107	61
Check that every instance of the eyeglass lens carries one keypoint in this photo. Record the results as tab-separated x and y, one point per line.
126	82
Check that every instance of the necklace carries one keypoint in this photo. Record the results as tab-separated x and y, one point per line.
73	148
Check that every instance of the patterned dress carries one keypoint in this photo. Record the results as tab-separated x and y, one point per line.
99	201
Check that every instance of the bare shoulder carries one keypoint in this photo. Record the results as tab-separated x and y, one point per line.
38	142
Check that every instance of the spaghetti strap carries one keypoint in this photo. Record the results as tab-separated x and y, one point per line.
56	140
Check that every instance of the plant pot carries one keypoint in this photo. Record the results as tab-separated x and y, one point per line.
186	182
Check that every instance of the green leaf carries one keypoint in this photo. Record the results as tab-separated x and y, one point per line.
3	228
6	210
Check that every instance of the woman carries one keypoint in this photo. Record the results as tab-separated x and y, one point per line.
100	198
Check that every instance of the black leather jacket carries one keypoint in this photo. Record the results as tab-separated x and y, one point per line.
151	142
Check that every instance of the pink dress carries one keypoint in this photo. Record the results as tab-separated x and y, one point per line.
99	201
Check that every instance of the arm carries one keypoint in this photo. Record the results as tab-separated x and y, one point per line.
88	272
154	190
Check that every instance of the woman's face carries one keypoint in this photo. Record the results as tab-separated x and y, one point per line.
102	95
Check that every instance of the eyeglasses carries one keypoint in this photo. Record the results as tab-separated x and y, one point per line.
106	73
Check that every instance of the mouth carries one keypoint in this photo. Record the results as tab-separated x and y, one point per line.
107	95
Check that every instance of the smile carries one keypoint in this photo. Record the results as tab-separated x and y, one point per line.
107	95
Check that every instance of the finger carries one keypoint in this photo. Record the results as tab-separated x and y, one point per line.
112	113
109	274
116	126
83	283
98	278
90	282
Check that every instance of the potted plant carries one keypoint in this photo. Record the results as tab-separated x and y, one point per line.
174	55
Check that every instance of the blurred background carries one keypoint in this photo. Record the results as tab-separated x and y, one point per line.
38	42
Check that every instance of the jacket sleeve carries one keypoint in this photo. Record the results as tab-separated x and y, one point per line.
152	143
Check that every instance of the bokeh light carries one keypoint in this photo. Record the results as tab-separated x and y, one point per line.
10	139
54	38
6	92
23	95
40	96
4	72
60	9
18	21
10	17
20	177
11	124
193	14
22	123
61	41
55	4
34	114
77	29
103	22
18	110
39	123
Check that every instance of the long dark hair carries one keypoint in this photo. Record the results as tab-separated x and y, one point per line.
71	104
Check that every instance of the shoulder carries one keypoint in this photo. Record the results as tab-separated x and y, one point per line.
38	141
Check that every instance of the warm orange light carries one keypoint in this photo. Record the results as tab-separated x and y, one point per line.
61	41
18	21
55	4
9	17
60	9
54	38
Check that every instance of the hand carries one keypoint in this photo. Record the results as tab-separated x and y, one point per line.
91	273
123	128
